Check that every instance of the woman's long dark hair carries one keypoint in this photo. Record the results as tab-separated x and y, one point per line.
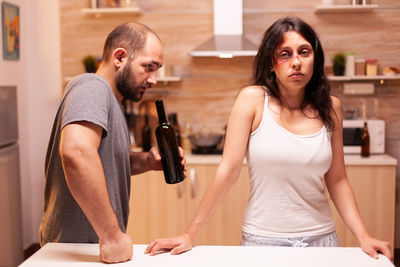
317	91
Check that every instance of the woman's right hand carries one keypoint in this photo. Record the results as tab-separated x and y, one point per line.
177	245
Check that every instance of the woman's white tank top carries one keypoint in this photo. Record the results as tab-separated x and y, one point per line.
286	173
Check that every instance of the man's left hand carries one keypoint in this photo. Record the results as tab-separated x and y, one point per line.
154	159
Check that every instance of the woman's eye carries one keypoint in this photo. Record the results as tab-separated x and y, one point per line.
284	55
305	52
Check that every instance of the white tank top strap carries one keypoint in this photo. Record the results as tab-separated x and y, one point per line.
264	113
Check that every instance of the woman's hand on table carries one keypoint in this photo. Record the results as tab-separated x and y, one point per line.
176	245
373	246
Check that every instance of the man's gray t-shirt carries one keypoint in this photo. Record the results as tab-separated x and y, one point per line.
89	98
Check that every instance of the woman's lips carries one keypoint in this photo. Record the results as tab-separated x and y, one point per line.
296	75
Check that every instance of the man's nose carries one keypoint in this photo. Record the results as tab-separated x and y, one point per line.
152	79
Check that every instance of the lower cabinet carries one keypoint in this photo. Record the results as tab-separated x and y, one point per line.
160	210
375	189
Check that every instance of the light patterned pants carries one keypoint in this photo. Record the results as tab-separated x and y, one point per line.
325	240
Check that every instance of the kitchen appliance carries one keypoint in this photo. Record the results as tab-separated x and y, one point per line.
206	143
228	39
11	250
352	130
207	150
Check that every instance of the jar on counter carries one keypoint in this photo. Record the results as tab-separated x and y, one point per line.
371	67
360	66
349	67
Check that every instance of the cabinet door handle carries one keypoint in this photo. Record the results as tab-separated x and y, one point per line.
180	189
193	183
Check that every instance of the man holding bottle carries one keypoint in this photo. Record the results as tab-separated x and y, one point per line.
88	163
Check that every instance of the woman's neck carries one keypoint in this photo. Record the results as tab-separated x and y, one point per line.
291	102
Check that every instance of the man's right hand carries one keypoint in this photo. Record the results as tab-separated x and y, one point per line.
118	249
177	245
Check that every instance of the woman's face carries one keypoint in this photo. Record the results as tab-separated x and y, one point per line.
294	62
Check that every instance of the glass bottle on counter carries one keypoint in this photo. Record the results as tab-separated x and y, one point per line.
146	134
365	141
168	146
187	131
172	118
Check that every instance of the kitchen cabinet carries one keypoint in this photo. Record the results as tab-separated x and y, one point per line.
160	210
375	190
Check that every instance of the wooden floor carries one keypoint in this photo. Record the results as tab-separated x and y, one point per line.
397	257
31	250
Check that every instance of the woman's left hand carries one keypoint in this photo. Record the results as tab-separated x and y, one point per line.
373	246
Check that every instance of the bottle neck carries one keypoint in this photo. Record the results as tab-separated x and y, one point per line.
162	118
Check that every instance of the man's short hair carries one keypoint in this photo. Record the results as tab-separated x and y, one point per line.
130	36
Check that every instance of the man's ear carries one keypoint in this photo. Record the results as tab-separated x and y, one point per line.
119	56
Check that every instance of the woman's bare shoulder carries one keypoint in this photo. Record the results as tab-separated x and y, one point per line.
336	103
252	92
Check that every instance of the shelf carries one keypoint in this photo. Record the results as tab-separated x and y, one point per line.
165	79
111	10
344	8
364	78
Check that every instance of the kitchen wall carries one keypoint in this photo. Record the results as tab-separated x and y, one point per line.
37	75
209	85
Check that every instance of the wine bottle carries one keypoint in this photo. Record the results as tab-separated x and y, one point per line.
146	134
365	141
168	146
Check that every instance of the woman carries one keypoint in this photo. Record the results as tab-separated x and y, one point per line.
290	129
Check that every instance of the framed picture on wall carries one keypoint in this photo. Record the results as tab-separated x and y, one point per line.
10	27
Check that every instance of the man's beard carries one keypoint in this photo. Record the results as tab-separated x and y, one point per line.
127	85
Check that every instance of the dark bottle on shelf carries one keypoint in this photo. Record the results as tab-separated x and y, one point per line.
146	134
168	146
172	118
365	141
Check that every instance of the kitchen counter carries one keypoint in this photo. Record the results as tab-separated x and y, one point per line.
373	160
76	255
350	160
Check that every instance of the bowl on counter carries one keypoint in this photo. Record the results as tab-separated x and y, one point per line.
205	140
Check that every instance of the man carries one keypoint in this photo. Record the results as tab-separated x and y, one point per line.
88	163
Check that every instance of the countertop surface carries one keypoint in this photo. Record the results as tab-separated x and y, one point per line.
350	160
76	255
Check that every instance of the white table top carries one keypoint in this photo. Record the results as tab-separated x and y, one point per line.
76	255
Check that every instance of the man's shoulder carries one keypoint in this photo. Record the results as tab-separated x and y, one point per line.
87	79
88	84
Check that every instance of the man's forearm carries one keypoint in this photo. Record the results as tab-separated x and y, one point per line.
86	181
139	162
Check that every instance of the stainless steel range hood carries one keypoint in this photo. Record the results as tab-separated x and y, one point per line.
228	40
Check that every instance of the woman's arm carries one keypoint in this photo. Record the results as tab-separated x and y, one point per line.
238	131
342	195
